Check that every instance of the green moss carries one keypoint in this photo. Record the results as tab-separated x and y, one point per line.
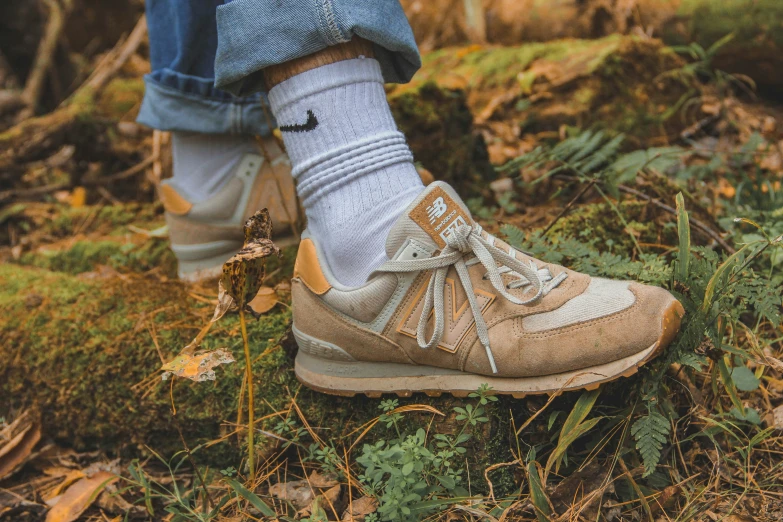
103	218
84	351
599	220
490	67
752	21
85	256
120	96
613	83
439	128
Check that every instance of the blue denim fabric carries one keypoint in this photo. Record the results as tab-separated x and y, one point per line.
253	34
180	93
198	47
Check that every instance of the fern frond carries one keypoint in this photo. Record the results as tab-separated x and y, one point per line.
695	361
651	432
514	236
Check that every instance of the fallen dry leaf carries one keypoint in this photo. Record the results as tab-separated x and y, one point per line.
360	508
319	480
777	418
69	478
327	500
297	492
265	300
79	497
198	366
225	303
19	448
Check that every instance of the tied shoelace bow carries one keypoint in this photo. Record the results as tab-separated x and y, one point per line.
462	241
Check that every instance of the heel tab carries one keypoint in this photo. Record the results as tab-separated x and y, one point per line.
308	269
172	201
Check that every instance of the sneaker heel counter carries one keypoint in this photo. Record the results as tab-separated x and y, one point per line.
307	268
173	202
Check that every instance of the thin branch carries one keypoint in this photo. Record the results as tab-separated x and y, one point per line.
568	206
43	58
97	182
118	57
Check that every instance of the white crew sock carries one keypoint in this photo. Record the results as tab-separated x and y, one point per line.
354	170
203	163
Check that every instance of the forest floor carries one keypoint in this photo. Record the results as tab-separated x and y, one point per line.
616	156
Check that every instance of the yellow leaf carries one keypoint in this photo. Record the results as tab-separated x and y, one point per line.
265	300
78	197
79	496
18	449
197	366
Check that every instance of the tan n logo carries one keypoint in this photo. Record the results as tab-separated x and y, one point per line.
458	322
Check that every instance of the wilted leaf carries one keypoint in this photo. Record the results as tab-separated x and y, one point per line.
225	303
359	509
197	367
297	492
19	448
265	300
244	272
319	480
79	496
777	418
538	493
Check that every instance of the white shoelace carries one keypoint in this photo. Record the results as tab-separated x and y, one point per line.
463	241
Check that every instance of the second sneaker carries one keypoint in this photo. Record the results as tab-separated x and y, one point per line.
204	235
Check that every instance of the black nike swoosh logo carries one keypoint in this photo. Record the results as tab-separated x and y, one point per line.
310	124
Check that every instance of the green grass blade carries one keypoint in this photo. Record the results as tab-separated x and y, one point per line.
537	493
251	497
684	232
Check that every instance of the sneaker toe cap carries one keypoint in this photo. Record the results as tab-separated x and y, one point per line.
648	323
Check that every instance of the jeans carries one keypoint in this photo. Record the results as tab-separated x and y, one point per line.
207	56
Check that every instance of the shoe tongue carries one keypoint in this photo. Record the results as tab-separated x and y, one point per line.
430	218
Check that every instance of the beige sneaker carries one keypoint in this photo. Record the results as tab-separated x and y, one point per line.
204	235
456	307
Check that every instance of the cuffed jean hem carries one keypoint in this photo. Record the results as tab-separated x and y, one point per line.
168	109
253	35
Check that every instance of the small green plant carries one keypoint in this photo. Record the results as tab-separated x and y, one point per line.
413	476
182	502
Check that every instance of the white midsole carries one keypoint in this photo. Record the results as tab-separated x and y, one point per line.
331	372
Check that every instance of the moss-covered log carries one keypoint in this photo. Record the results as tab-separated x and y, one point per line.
756	50
438	125
614	82
86	350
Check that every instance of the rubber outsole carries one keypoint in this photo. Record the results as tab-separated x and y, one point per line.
327	368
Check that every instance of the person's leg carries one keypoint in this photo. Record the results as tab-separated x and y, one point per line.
354	169
221	173
212	129
453	307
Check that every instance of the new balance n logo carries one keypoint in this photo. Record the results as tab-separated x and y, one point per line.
436	210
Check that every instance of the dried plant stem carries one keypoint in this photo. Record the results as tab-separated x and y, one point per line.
251	461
